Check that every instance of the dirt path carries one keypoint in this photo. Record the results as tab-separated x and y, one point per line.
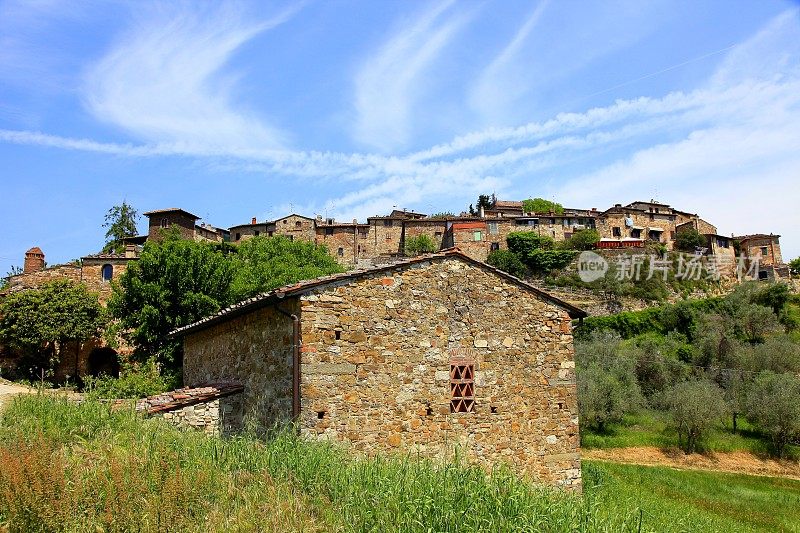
8	390
734	462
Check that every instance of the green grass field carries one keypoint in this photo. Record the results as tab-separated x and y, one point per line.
650	428
65	467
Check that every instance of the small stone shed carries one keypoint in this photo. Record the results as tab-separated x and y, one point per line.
422	356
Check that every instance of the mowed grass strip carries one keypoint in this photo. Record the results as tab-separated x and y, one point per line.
682	500
66	467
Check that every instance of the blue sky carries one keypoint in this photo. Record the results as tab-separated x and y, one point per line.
349	108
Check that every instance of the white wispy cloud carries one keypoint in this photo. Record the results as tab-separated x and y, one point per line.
389	82
500	82
733	141
162	83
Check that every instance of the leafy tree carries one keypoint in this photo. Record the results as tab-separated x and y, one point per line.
442	214
264	263
507	261
523	243
794	266
121	223
485	201
772	405
607	388
688	240
41	321
540	205
421	244
695	406
174	283
755	322
582	240
773	295
716	341
13	271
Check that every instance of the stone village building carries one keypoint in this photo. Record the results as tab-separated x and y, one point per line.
382	239
420	356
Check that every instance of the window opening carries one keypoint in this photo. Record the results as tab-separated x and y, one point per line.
107	272
462	387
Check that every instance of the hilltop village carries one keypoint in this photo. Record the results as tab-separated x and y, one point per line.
382	238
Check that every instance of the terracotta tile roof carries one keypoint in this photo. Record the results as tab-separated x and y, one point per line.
169	210
508	203
35	250
302	287
107	256
755	236
187	396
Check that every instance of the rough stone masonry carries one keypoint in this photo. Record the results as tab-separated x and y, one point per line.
422	357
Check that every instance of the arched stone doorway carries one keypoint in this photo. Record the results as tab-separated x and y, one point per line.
104	361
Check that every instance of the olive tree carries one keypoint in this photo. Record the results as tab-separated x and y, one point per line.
773	404
695	407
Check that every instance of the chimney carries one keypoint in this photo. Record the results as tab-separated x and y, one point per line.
253	220
355	221
34	260
617	205
594	209
130	251
481	213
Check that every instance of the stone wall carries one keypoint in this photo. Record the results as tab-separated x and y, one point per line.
757	246
347	243
32	280
296	227
385	236
376	369
253	349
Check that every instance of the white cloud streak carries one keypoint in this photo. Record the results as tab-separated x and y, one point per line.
388	83
161	82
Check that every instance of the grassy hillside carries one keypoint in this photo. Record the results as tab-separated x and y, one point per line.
82	468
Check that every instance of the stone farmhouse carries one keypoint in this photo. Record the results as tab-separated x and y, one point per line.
423	355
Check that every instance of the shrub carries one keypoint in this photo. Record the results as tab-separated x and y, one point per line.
688	240
506	261
582	240
134	381
695	407
546	261
523	243
421	244
772	404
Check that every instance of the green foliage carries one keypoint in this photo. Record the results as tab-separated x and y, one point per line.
442	214
695	407
585	239
537	252
121	223
134	381
523	243
773	295
68	467
174	283
507	261
794	266
421	244
772	404
485	201
540	205
688	240
40	321
261	264
607	388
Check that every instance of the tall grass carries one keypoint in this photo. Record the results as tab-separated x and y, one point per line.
86	468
